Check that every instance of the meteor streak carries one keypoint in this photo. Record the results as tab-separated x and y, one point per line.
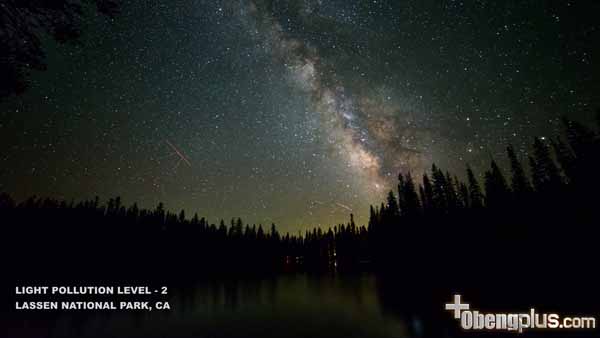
343	206
179	154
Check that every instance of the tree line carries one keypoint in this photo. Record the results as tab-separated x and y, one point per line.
547	206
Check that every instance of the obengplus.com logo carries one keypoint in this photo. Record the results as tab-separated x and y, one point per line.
475	320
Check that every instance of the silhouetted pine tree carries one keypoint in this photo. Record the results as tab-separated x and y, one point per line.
410	205
566	159
392	211
545	174
581	139
496	189
439	185
372	218
475	195
585	145
463	196
451	194
519	183
427	195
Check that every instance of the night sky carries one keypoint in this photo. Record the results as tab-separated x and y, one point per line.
294	112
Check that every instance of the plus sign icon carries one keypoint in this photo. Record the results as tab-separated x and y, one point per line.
457	306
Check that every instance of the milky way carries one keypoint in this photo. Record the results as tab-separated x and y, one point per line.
362	128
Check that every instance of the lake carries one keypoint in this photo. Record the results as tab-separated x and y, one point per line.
292	305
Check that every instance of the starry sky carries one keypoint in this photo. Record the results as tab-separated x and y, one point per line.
293	112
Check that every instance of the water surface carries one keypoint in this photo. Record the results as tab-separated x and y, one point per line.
296	305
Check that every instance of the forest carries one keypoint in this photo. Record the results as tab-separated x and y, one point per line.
529	221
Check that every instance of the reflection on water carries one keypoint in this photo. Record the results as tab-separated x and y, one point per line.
284	306
301	305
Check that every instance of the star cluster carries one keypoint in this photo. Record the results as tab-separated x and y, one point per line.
293	112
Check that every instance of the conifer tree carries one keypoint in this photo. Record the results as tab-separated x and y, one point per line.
475	195
439	185
566	158
496	189
519	183
427	194
544	172
463	196
451	194
581	138
392	210
411	205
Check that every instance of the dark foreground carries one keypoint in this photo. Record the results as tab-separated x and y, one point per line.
296	305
